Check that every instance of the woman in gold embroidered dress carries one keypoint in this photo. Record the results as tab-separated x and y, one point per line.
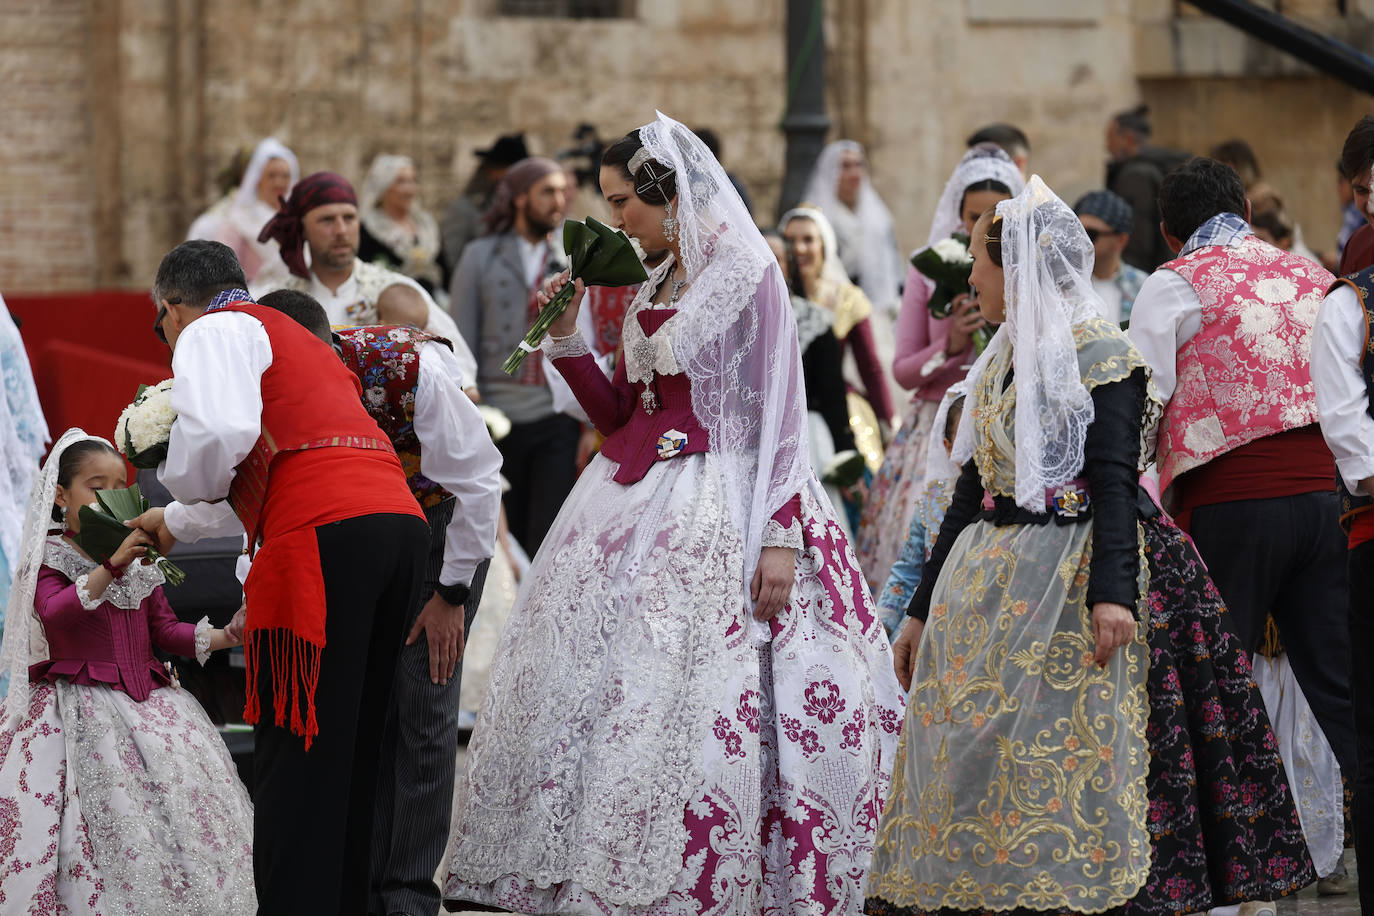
1082	734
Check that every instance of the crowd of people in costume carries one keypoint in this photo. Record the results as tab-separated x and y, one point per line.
732	629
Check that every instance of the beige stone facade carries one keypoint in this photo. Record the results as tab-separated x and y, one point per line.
119	114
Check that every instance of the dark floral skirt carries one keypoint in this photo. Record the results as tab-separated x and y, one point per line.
1222	822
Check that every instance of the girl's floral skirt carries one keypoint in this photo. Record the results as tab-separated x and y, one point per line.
111	806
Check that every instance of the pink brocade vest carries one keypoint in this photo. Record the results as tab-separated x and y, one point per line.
1246	374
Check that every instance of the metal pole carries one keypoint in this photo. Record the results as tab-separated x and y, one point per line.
805	123
1327	55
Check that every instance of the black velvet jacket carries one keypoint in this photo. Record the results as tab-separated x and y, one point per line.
1111	453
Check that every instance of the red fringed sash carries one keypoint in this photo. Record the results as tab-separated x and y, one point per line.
285	594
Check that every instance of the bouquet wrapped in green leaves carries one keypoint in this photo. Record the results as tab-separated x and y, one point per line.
103	530
598	256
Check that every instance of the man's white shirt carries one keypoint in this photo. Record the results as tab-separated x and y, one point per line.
218	364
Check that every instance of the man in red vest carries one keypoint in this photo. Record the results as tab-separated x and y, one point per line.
1226	328
413	387
268	418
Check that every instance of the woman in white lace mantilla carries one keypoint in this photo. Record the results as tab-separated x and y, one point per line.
689	711
117	795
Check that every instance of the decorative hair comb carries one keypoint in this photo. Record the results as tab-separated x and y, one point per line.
656	174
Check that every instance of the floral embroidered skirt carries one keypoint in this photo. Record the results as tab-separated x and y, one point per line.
893	495
645	747
111	806
1221	821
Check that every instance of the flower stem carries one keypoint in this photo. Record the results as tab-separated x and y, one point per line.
541	326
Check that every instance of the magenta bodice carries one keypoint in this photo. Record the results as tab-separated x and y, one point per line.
617	410
108	645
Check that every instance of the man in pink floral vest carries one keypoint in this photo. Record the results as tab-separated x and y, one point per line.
1226	326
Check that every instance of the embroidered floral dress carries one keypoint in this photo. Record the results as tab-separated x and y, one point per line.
117	795
640	749
1031	779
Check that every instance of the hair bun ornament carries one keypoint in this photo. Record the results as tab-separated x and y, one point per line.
656	174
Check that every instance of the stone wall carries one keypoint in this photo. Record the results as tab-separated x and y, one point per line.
120	112
46	241
935	71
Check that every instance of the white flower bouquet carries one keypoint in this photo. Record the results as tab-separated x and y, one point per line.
145	426
948	265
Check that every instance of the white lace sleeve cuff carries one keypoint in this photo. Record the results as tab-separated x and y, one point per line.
84	596
203	630
776	535
565	347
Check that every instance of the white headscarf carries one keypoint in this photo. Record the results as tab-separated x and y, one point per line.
735	337
248	214
831	268
868	246
1047	262
247	193
17	650
419	251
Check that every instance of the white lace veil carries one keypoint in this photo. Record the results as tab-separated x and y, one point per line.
983	162
1047	262
941	470
735	337
880	266
15	652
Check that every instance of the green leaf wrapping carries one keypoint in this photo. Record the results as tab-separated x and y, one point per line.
103	530
598	256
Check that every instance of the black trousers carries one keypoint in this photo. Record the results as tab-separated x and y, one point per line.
313	810
1286	556
539	459
1362	692
419	757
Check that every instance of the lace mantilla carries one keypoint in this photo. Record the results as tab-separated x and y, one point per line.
1105	355
565	347
775	534
126	593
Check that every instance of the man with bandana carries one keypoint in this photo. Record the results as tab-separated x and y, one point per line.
322	215
493	300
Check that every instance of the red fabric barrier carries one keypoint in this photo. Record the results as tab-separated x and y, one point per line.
90	352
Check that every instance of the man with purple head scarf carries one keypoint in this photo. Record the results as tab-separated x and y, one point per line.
320	219
492	298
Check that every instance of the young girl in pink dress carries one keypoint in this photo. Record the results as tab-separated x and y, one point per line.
117	795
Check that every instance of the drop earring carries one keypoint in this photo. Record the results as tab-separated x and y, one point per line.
670	225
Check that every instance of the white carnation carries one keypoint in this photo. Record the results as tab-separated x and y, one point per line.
148	420
952	251
498	424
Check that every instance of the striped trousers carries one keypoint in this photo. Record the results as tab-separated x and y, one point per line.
418	758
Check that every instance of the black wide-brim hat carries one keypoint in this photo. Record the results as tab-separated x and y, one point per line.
507	150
